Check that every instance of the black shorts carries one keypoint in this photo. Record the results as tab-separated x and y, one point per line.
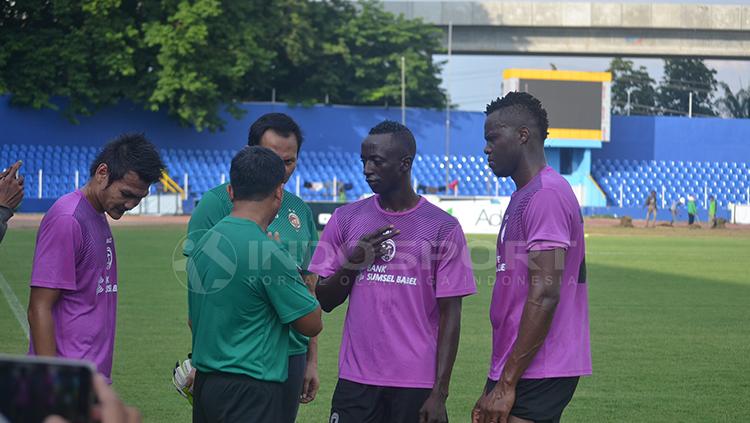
227	397
292	388
357	403
541	400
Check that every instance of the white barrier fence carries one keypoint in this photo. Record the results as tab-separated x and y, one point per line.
159	204
740	213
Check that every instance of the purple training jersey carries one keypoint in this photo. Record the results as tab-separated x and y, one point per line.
75	253
391	327
542	215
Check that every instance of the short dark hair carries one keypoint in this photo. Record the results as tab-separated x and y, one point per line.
400	133
279	123
130	152
524	102
255	172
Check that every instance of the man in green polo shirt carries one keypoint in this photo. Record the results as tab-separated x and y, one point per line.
245	292
297	232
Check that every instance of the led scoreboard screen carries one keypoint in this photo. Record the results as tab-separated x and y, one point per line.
577	103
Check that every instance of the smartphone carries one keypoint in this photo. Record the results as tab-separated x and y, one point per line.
33	388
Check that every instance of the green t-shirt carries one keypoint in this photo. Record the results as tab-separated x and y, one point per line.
712	207
692	208
294	223
245	292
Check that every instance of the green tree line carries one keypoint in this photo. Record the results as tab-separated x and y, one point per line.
195	59
685	79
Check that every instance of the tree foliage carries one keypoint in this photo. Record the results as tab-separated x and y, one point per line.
736	105
197	58
625	78
683	76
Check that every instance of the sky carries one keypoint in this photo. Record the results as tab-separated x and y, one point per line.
474	80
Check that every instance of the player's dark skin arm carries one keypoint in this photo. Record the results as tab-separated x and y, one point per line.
545	277
433	410
333	290
311	381
41	323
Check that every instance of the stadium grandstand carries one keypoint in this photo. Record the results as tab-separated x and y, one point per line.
625	182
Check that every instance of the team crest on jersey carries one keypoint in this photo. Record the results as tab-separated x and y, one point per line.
294	220
390	250
109	258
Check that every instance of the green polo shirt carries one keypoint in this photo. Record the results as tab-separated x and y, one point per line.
294	223
245	293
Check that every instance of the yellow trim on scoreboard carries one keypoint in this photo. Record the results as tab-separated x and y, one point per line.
575	134
557	75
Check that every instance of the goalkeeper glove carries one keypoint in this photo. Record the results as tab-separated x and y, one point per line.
183	378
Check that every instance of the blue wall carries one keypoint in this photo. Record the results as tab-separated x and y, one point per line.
677	138
334	128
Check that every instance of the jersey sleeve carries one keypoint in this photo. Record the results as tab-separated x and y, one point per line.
209	211
325	260
453	276
287	292
57	245
546	222
313	241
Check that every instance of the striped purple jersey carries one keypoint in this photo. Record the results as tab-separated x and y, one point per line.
542	215
391	327
75	253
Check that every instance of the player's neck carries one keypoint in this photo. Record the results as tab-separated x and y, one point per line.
399	200
254	211
527	170
88	193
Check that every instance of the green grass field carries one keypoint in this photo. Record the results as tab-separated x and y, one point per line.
670	326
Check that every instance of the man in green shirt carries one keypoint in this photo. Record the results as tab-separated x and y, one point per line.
298	234
245	292
712	211
692	209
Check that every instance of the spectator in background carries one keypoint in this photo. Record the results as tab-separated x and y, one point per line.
11	194
712	211
651	207
676	204
692	209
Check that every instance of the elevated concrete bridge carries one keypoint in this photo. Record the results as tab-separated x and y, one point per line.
588	28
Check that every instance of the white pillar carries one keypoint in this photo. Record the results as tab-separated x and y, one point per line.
690	104
223	178
297	186
497	188
333	190
705	195
621	203
40	183
663	195
185	185
76	179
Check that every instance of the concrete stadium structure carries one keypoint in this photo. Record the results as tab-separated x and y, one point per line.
588	28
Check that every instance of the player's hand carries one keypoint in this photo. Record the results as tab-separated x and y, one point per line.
11	189
433	410
495	407
311	384
370	246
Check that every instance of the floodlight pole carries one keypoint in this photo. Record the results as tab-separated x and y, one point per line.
448	104
403	90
